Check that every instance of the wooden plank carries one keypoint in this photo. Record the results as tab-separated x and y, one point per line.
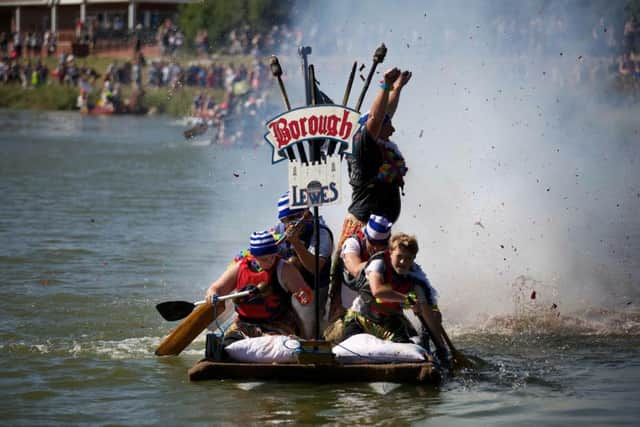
411	373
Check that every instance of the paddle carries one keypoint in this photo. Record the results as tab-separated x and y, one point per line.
176	310
196	322
196	130
458	360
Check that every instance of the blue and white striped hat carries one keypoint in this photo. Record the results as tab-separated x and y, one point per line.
262	243
283	207
378	229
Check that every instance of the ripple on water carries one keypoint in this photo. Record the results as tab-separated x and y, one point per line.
37	395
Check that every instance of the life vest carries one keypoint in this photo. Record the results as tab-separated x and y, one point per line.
271	302
401	284
347	278
286	251
393	168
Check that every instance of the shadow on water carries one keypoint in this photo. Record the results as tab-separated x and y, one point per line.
305	404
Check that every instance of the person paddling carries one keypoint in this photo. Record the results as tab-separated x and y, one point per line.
356	251
390	282
273	280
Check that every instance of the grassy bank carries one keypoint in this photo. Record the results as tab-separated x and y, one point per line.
54	96
49	97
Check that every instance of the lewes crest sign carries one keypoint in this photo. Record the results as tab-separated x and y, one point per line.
318	182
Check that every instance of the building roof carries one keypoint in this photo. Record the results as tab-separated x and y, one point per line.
14	3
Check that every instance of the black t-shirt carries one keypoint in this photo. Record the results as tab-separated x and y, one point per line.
370	195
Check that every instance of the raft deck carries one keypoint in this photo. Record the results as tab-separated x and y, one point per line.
409	373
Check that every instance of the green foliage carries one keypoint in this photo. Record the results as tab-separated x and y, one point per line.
221	16
172	102
48	97
61	97
632	8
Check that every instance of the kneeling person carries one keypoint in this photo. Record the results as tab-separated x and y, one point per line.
356	251
390	282
273	280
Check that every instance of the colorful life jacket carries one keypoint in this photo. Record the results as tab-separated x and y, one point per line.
391	165
286	251
271	302
402	284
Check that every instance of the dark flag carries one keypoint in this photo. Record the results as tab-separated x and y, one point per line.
322	98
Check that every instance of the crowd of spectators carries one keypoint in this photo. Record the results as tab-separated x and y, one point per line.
629	60
246	92
34	72
30	45
612	53
246	41
240	41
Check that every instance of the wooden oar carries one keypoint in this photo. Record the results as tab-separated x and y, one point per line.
196	130
195	323
458	360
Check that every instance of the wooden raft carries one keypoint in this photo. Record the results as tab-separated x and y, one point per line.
410	373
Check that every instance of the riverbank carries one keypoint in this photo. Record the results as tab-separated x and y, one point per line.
54	96
57	97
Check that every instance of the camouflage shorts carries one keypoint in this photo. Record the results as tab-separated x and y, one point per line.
393	328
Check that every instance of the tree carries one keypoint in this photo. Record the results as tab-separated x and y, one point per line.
219	17
633	9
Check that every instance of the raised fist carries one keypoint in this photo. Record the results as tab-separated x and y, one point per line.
402	79
391	75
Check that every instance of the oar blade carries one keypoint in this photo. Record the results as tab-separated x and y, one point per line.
188	330
460	361
175	310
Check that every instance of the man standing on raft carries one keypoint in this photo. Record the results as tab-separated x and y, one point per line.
376	168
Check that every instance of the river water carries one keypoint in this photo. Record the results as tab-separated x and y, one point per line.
102	218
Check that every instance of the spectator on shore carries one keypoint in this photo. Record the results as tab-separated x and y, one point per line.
162	36
4	71
625	66
93	33
630	35
17	44
50	42
4	43
202	43
33	44
137	40
72	73
136	70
